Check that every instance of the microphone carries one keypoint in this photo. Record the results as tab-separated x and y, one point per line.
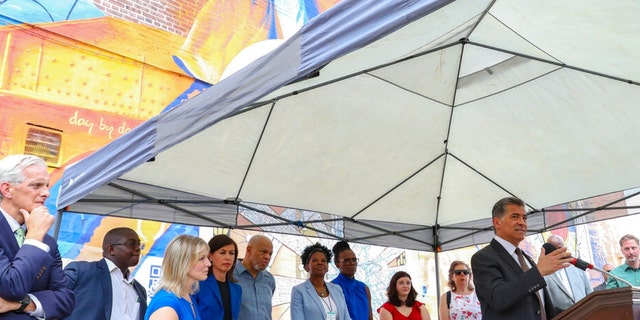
583	265
580	264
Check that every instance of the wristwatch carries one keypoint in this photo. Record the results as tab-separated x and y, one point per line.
24	303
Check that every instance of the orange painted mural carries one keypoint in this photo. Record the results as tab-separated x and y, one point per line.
74	75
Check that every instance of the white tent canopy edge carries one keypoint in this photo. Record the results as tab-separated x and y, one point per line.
417	166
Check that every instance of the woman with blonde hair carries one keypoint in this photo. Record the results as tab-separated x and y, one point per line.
461	302
185	264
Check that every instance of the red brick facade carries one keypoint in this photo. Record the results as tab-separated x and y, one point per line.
175	16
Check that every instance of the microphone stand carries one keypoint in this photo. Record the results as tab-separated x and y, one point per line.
609	274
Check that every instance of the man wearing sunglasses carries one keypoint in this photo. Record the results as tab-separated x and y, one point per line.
100	286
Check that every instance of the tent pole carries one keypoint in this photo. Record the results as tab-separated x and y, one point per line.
56	227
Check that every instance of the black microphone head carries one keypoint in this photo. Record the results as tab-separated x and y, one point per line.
548	248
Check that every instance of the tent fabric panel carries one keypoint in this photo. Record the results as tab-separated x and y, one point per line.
415	37
102	166
495	78
220	153
386	137
557	110
442	66
130	199
568	32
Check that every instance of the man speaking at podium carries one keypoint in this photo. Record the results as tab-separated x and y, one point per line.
508	283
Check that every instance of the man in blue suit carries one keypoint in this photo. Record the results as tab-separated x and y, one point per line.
100	286
32	283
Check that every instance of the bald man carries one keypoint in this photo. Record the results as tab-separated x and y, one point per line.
566	286
258	285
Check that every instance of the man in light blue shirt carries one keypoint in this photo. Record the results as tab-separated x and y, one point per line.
630	270
258	285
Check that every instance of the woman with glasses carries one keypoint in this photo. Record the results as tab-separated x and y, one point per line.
185	263
316	299
402	303
356	293
219	296
461	302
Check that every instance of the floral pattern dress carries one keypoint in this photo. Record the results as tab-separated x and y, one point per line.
465	307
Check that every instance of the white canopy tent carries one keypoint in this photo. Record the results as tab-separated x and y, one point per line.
395	123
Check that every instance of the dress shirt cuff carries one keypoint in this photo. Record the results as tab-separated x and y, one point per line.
43	246
38	312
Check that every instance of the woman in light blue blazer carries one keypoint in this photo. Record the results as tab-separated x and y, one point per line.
316	299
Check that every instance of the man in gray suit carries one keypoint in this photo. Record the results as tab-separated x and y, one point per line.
566	286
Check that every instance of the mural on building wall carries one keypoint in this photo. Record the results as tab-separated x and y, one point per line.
74	75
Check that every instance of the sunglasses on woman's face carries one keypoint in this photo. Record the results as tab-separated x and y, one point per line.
459	272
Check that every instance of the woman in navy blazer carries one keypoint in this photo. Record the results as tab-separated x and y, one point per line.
316	299
219	296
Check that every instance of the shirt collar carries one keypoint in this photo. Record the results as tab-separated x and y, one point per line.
114	269
13	224
506	245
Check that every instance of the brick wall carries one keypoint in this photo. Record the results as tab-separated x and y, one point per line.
175	16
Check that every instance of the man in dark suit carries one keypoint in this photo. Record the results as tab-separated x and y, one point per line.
32	283
100	285
504	288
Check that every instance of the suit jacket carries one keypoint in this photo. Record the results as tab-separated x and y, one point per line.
30	270
307	305
562	299
505	291
91	283
209	301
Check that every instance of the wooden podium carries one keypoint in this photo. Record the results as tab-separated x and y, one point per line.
611	304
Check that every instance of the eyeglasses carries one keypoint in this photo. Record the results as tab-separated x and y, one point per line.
459	272
349	260
131	244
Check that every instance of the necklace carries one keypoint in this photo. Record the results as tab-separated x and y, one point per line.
322	293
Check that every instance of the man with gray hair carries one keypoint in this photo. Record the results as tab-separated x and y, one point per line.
566	286
32	283
630	270
258	285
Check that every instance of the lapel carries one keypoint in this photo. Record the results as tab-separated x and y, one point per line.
107	291
507	257
9	242
311	291
555	277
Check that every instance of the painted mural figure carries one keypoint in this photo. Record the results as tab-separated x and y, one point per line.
214	41
99	285
32	283
258	284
